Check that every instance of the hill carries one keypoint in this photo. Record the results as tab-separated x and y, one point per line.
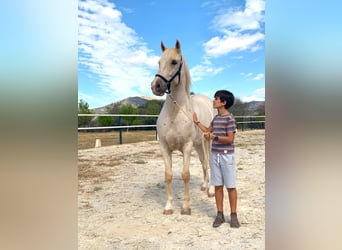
135	101
239	108
255	107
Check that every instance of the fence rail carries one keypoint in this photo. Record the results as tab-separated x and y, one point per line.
117	127
243	122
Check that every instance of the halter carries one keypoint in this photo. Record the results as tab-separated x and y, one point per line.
168	82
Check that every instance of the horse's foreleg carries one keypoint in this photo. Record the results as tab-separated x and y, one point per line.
186	178
168	179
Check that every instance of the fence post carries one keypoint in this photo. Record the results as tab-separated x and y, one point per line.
120	130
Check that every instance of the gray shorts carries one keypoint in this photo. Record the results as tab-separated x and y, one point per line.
222	170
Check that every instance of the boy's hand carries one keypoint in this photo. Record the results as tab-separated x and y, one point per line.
208	136
194	117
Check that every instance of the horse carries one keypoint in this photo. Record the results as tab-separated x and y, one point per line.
175	127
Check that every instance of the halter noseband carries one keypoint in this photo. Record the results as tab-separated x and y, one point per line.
168	82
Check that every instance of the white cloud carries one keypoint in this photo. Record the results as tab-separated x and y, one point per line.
260	92
235	42
84	97
248	19
257	95
113	51
253	77
258	77
206	68
240	30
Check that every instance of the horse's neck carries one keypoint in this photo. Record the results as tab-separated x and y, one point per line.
179	96
178	103
181	93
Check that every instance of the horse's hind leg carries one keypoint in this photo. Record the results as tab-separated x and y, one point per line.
203	153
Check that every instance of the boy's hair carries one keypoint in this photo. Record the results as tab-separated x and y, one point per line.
227	96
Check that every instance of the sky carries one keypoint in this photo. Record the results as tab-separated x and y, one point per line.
223	42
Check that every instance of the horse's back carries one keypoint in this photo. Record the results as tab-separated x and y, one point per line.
203	106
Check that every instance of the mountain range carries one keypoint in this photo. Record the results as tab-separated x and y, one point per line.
250	108
135	101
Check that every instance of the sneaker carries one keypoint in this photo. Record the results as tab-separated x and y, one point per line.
218	220
234	222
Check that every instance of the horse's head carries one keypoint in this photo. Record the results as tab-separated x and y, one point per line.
170	68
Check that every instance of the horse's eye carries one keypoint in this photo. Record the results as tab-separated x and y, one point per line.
174	62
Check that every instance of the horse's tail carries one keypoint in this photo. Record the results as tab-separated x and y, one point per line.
206	145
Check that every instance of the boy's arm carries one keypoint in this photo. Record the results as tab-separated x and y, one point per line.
226	139
200	125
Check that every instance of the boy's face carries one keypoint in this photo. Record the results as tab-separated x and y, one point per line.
217	102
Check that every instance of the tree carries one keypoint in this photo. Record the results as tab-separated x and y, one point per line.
152	107
128	109
260	110
239	108
83	108
106	120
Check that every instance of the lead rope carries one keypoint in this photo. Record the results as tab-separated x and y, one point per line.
186	114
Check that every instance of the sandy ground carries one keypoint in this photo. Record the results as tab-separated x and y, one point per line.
122	195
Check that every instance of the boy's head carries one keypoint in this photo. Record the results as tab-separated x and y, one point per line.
227	96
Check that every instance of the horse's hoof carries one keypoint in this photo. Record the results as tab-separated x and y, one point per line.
186	211
204	189
168	211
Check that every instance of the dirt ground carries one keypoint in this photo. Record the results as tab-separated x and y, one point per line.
122	194
87	139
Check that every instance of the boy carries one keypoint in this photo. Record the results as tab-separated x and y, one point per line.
222	158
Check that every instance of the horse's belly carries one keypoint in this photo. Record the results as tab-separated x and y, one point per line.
175	139
176	143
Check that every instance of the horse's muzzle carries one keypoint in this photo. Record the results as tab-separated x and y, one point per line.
158	87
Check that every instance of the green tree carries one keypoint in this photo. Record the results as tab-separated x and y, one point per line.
106	120
152	107
260	110
239	108
128	109
83	108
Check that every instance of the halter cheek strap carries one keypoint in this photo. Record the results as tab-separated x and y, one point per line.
168	82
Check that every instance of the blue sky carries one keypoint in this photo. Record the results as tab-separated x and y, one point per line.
223	42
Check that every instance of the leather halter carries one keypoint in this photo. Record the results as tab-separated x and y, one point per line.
168	82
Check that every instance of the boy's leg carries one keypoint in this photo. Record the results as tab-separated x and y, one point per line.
232	194
219	206
219	198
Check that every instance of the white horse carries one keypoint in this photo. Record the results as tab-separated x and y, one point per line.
175	127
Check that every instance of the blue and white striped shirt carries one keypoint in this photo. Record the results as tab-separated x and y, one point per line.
221	126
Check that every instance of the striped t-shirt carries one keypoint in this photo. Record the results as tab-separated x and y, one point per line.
221	126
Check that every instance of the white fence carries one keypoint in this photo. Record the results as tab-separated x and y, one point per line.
117	127
243	122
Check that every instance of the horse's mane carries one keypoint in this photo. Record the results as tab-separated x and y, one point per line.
187	77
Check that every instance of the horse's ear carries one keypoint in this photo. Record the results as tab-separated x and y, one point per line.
162	46
177	45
